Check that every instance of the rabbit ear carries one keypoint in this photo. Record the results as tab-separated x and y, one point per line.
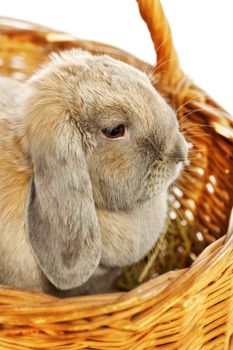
61	222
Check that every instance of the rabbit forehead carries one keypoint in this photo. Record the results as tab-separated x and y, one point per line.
103	82
123	92
103	90
119	99
133	105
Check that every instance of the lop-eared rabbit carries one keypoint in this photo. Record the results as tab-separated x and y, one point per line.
88	149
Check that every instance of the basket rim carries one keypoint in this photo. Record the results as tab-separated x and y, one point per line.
162	287
22	24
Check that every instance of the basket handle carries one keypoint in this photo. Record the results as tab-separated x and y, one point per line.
168	67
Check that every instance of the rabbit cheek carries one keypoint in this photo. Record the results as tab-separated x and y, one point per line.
115	194
116	179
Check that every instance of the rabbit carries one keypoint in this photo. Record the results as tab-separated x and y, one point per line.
88	149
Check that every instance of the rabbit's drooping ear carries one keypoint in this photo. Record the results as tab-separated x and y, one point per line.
61	222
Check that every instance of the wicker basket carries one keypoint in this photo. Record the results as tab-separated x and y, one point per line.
190	308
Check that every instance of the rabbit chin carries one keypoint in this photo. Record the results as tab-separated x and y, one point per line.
128	236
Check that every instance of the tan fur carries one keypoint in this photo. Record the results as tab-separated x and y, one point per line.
51	143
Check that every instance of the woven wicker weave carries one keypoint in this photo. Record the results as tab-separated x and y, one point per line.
188	309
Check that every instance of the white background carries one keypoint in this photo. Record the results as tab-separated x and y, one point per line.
202	32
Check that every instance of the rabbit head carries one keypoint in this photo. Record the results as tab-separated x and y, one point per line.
98	136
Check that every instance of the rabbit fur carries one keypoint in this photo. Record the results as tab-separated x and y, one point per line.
76	205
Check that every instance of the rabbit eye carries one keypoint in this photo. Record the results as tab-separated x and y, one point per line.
113	133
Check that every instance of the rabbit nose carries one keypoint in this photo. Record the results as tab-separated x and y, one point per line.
180	150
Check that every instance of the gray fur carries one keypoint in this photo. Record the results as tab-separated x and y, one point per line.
67	250
73	203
